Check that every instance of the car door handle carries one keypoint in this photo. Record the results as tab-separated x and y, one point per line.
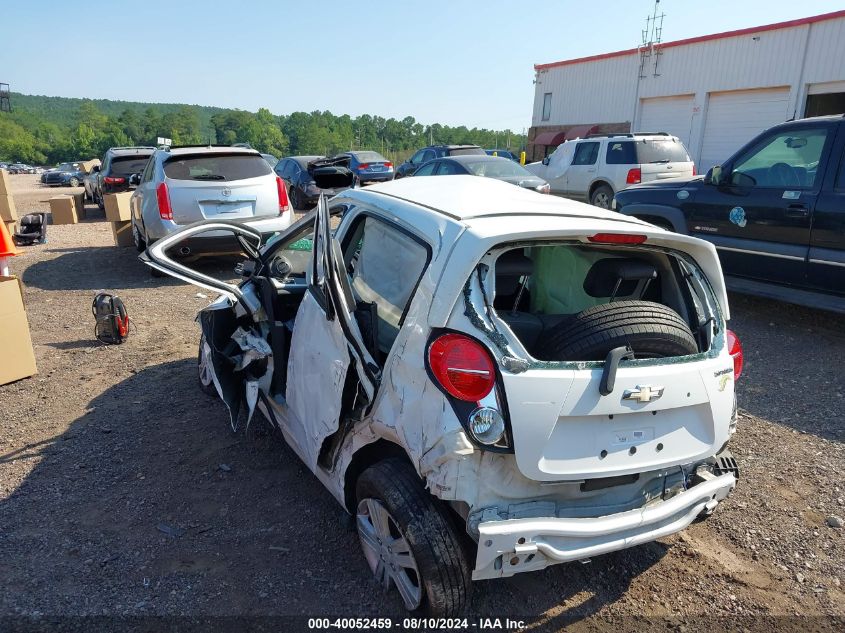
797	211
591	170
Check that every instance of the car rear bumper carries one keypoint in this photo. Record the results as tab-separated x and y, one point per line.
156	228
376	176
512	546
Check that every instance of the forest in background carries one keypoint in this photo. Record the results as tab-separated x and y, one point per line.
47	130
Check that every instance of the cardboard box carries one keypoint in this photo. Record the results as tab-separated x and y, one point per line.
15	342
5	185
8	212
63	210
122	232
79	205
117	206
87	165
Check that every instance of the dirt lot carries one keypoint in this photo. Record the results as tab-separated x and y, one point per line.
124	492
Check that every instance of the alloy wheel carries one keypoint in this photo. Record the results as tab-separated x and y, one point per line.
388	552
602	201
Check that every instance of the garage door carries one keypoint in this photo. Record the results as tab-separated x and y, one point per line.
668	114
734	118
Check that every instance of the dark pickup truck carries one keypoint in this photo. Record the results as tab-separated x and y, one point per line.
775	211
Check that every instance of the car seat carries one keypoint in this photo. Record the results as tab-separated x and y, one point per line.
513	270
32	230
619	277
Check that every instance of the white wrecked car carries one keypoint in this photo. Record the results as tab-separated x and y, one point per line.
461	355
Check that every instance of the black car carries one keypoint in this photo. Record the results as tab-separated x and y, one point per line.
64	175
436	151
119	164
496	167
302	190
775	211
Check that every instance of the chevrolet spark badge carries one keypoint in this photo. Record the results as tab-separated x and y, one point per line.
643	393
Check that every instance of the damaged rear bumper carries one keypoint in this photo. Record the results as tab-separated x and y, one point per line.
512	546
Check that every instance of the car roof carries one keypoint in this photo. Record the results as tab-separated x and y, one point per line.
468	197
211	149
129	151
622	136
474	158
303	161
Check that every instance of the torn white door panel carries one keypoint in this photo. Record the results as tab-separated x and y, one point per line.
317	366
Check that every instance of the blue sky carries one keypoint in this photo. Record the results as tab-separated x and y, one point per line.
458	62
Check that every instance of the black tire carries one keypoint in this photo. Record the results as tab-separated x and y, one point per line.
293	197
424	523
601	197
651	329
207	387
155	272
140	242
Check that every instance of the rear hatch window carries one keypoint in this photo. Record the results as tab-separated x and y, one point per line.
540	302
216	167
370	157
128	165
466	151
498	169
661	151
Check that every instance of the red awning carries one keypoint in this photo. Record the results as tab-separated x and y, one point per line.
556	138
580	131
549	138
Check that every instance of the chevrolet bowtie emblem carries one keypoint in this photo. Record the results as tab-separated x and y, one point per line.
643	393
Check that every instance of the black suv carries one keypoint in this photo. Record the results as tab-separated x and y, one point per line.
119	164
434	151
775	211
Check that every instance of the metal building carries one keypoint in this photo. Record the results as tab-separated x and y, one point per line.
714	92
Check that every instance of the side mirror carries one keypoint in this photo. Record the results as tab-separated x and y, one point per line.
546	161
135	179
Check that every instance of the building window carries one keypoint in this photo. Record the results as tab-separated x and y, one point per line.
547	106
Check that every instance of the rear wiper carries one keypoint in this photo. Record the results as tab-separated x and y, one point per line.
665	160
209	177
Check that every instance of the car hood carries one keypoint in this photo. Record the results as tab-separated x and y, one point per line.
666	184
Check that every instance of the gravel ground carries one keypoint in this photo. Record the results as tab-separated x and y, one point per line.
123	492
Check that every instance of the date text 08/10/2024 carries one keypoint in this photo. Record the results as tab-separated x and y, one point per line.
411	624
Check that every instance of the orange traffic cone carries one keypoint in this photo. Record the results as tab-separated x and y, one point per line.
7	249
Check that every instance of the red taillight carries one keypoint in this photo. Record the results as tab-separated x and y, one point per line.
694	173
735	350
617	238
635	176
364	166
163	197
388	164
114	180
283	195
462	366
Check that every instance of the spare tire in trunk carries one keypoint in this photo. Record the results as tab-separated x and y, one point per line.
652	330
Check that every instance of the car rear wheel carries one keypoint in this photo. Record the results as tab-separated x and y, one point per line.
409	541
140	242
602	197
74	182
652	330
295	202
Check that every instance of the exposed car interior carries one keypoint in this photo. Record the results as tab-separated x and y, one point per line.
539	289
